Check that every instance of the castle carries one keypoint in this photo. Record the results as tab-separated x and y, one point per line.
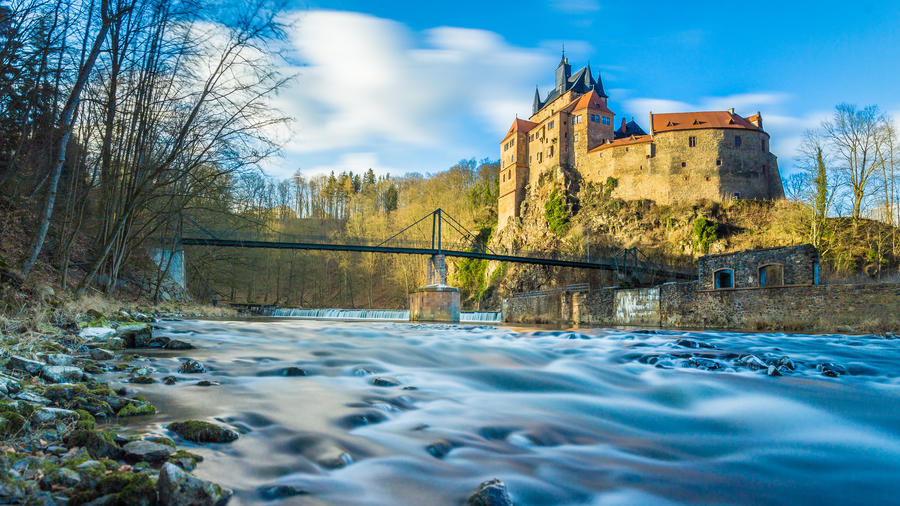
686	156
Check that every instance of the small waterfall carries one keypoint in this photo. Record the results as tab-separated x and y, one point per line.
375	314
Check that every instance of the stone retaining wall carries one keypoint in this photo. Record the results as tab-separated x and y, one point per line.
686	305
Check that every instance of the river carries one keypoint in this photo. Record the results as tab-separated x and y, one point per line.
562	417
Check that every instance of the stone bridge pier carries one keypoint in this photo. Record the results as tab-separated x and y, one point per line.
436	301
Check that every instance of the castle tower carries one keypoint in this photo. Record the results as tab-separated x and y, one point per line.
563	73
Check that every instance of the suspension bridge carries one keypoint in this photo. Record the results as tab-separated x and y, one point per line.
448	238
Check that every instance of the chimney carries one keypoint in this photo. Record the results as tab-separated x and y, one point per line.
731	111
623	129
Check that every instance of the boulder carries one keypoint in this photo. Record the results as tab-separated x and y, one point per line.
53	416
29	396
95	333
98	444
141	375
158	342
143	450
191	366
490	493
198	431
62	477
58	359
385	382
135	335
101	354
9	386
18	363
62	373
176	487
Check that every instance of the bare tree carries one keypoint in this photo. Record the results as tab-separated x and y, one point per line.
854	137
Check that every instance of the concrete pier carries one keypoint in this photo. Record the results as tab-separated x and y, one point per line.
436	301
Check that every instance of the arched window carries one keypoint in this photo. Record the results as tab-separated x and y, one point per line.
771	275
724	278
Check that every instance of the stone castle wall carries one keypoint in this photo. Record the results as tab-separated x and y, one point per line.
669	169
798	264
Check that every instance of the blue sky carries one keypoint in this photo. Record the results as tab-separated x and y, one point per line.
415	86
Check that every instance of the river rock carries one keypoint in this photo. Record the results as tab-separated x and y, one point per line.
62	373
101	354
385	382
176	344
753	362
62	477
490	493
58	359
53	416
158	342
19	363
143	450
440	448
141	375
274	492
135	335
29	396
285	371
191	366
198	431
9	386
95	333
98	444
177	487
169	380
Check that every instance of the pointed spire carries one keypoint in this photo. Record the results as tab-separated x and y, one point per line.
588	78
537	101
598	86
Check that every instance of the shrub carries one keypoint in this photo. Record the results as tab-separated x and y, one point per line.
705	232
556	212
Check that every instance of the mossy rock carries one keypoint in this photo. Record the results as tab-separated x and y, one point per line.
126	488
99	444
198	431
19	407
137	409
162	440
185	459
65	392
11	424
86	421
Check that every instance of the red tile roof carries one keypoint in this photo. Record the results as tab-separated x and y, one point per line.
701	119
591	100
624	141
519	125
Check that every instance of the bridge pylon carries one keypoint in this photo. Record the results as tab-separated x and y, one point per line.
436	301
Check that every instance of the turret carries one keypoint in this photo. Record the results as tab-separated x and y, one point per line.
537	101
563	73
599	85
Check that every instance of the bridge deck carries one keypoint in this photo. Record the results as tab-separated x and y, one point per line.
538	258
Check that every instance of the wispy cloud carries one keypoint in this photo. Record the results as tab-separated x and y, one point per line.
364	81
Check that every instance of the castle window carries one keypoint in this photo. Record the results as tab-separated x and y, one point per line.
771	275
718	162
577	119
540	157
607	121
550	152
550	125
763	144
683	164
692	141
737	195
724	278
595	118
575	137
626	148
737	141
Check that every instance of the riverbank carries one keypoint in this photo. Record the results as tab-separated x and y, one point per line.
58	411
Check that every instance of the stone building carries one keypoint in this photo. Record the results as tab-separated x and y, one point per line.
686	156
760	268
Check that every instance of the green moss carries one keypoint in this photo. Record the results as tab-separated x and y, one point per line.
129	488
93	369
103	391
133	409
21	408
163	441
58	393
141	490
556	212
203	432
99	444
11	424
85	420
122	366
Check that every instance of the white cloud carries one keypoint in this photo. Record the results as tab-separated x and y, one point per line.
363	81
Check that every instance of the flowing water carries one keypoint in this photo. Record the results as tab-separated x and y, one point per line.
590	417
